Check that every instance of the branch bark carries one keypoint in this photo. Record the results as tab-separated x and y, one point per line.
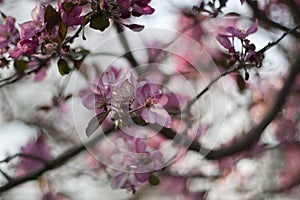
58	161
264	18
245	141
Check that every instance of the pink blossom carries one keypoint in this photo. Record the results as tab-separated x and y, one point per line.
8	32
248	56
285	130
243	34
37	148
41	71
98	96
52	196
135	163
135	8
290	173
31	28
153	101
70	16
224	41
27	47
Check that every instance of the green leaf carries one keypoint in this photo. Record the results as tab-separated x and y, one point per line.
153	180
20	66
99	22
63	67
52	18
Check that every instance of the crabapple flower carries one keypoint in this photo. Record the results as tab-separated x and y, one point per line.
8	32
70	15
37	148
247	56
27	47
31	28
123	9
129	7
98	96
52	196
135	163
152	100
41	72
242	34
120	93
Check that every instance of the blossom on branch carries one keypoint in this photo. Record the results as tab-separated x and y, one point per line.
70	12
120	93
134	163
8	33
246	57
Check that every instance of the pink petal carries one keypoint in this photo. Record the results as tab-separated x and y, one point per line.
224	41
253	28
119	181
139	145
40	75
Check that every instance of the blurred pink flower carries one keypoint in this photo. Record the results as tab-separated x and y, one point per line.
134	163
290	173
36	25
70	16
8	32
27	47
37	148
134	7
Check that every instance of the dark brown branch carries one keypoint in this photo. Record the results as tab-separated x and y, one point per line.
128	55
271	44
243	143
209	86
58	161
28	156
264	49
7	177
264	18
247	140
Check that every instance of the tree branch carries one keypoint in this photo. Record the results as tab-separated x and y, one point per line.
245	141
58	161
128	55
263	17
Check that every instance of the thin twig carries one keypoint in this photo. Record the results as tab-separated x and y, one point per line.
263	17
58	161
247	140
271	44
233	69
8	178
29	156
128	55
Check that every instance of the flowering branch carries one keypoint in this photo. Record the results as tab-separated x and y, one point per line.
243	143
58	161
263	17
234	69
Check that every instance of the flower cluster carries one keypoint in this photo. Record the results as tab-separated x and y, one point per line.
125	8
134	163
120	9
246	56
39	152
8	33
121	94
47	29
40	38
